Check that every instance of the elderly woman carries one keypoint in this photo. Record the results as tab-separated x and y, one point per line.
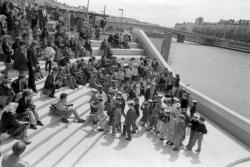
10	125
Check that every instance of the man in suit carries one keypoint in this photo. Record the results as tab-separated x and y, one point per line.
32	64
26	108
129	120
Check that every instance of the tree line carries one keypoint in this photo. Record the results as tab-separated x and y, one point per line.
232	32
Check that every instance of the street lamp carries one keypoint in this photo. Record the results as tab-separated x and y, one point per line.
104	11
121	16
88	11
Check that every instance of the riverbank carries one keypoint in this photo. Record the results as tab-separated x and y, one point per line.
218	73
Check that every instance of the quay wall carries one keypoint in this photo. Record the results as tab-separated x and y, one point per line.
230	121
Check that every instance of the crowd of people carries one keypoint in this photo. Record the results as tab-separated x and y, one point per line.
153	95
164	110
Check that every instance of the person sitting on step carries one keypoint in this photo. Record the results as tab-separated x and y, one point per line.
70	78
18	85
6	93
63	109
52	83
27	109
10	125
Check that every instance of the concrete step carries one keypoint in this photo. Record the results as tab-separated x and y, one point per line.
97	43
50	139
80	96
133	51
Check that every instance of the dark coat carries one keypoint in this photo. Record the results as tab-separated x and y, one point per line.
32	59
9	123
137	109
22	106
130	116
147	94
20	61
19	87
49	81
7	52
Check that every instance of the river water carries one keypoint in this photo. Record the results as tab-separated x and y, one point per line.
221	74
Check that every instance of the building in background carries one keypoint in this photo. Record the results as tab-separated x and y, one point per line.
199	20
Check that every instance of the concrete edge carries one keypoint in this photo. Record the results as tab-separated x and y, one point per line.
235	124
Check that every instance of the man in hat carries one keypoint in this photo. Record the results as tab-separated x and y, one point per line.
32	64
63	109
52	83
179	132
14	159
198	134
10	125
193	126
129	120
193	108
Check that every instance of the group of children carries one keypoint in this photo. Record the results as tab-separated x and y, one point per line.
166	109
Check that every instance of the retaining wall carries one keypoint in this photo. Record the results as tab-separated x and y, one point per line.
235	124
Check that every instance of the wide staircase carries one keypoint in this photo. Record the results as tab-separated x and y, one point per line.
56	143
67	145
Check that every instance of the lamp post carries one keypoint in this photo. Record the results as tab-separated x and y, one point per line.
104	11
121	16
88	11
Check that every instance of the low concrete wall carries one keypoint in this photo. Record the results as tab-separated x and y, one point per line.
229	120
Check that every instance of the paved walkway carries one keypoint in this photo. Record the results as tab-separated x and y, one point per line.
145	149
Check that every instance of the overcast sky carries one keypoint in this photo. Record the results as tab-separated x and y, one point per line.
169	12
